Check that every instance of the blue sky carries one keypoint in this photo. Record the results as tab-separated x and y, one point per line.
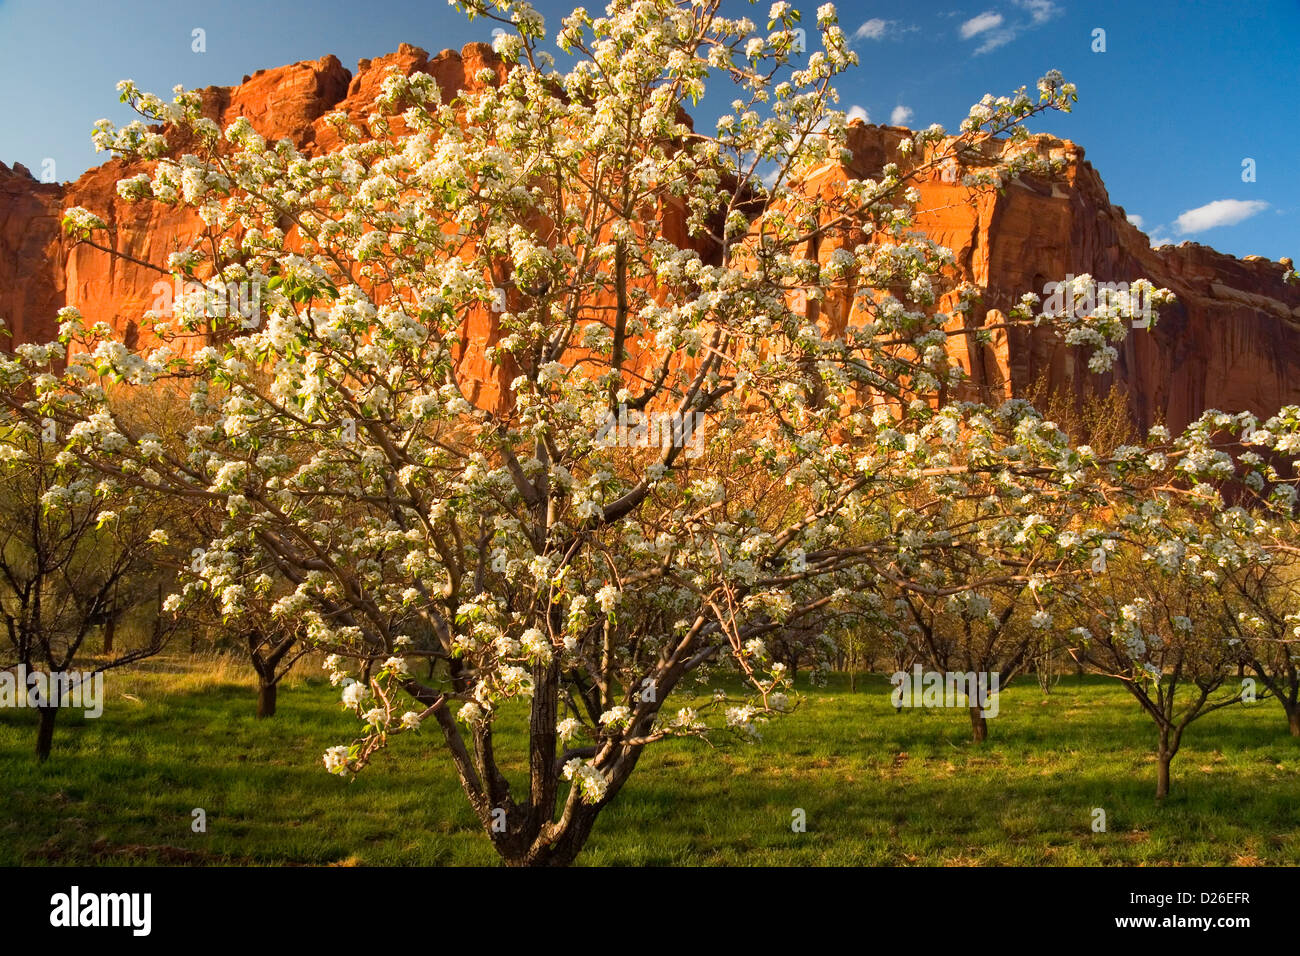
1182	95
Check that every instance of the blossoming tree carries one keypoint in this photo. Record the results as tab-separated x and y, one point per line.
1166	614
76	555
624	262
1266	622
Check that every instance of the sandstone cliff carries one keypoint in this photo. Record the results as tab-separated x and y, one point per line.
1231	342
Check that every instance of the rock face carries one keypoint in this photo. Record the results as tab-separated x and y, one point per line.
31	280
1232	341
41	271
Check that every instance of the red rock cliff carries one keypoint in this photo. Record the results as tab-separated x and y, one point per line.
1231	342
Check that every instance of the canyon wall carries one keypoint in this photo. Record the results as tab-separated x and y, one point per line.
1232	341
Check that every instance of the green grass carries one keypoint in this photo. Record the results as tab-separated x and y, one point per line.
878	787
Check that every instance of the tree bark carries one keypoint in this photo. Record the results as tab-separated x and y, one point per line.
979	727
1164	756
1293	718
109	627
266	699
565	844
1162	778
565	850
45	732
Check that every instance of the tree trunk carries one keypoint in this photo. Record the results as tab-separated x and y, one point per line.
266	698
565	850
1163	756
1293	718
979	727
567	844
109	627
45	732
1162	778
560	853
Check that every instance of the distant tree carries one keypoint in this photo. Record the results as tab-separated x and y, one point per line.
228	596
1159	617
981	630
982	603
1262	617
78	552
1103	422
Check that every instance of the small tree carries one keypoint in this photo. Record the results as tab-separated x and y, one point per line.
979	598
1263	617
973	630
1159	615
76	554
229	594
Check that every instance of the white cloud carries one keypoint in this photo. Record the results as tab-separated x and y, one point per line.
1221	212
873	29
1135	219
1040	10
976	25
857	112
995	31
901	116
995	40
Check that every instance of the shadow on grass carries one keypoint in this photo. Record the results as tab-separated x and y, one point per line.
875	786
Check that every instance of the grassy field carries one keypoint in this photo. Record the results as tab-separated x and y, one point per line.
878	787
